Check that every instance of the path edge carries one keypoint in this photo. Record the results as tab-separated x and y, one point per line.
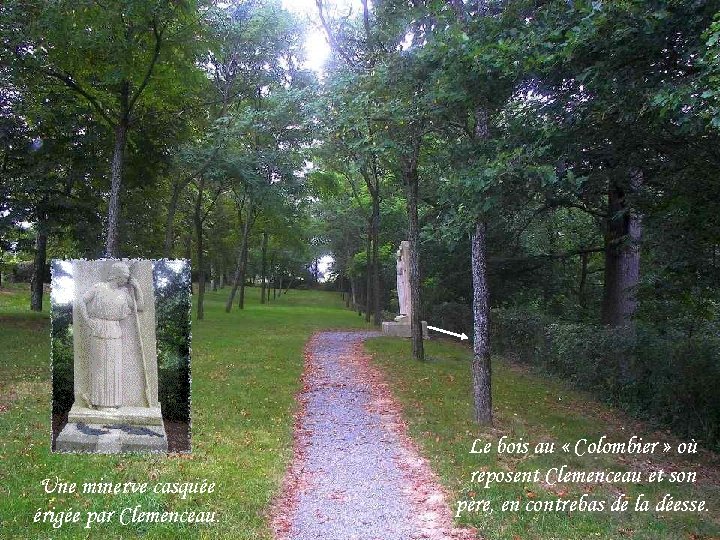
422	483
286	501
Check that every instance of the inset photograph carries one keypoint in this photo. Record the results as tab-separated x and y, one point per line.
120	355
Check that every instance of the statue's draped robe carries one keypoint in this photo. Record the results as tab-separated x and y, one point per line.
107	306
402	293
403	279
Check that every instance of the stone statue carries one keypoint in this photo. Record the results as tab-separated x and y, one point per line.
102	307
401	326
403	279
115	360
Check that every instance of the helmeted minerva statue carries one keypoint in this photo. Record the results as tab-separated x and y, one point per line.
115	375
103	307
403	280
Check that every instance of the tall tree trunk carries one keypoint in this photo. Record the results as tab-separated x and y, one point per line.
481	374
370	175
263	266
583	280
368	272
622	254
198	221
112	249
411	186
376	258
239	277
39	263
188	243
243	266
481	339
280	284
170	222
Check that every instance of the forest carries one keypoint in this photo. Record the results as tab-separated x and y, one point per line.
553	164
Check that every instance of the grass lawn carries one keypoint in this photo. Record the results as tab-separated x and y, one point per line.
436	398
245	367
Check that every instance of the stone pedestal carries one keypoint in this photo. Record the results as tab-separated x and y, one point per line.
138	416
111	438
402	329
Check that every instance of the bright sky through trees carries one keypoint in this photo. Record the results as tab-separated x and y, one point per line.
316	44
317	49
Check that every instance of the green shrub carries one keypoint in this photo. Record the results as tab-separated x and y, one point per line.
452	316
517	333
666	377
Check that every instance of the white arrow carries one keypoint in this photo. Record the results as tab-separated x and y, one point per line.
462	336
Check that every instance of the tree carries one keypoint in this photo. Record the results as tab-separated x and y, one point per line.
202	208
107	56
351	131
47	144
388	87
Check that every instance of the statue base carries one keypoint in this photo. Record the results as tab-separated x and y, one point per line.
111	438
401	328
134	416
110	430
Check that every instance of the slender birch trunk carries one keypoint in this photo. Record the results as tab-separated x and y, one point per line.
239	275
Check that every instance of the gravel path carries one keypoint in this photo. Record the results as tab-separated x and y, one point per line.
355	474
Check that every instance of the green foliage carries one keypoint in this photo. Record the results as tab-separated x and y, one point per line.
452	316
63	365
95	48
172	313
669	378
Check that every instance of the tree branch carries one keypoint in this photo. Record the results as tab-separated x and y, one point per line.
212	203
331	38
549	256
156	54
70	83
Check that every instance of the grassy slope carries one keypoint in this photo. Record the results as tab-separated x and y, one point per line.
246	368
436	399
